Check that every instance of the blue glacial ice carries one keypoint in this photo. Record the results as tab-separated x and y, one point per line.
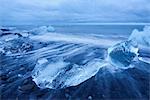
123	54
57	61
69	60
60	74
42	29
141	37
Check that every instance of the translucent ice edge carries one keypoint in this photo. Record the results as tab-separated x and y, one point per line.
59	74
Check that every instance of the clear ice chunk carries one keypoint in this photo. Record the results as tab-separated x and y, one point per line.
60	74
141	37
123	54
42	29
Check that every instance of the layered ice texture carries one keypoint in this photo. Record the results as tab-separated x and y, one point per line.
14	41
61	73
123	54
42	29
141	37
59	61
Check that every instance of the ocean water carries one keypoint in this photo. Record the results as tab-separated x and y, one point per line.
88	29
74	62
98	29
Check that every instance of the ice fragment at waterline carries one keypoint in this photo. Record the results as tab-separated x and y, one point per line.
42	29
141	37
122	54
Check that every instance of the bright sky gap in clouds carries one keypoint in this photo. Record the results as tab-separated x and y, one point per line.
22	12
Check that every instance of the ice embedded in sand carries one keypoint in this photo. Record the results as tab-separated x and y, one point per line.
60	74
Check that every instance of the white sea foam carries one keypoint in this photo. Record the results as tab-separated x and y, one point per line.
46	37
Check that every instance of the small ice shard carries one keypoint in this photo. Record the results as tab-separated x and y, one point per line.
123	54
11	44
24	34
60	74
2	50
145	59
141	37
42	61
50	29
42	29
10	37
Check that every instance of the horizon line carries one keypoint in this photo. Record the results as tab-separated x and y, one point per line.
89	23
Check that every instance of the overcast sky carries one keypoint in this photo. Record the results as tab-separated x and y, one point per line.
64	11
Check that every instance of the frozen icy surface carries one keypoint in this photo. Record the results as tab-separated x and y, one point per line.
122	54
50	65
42	29
141	37
60	74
